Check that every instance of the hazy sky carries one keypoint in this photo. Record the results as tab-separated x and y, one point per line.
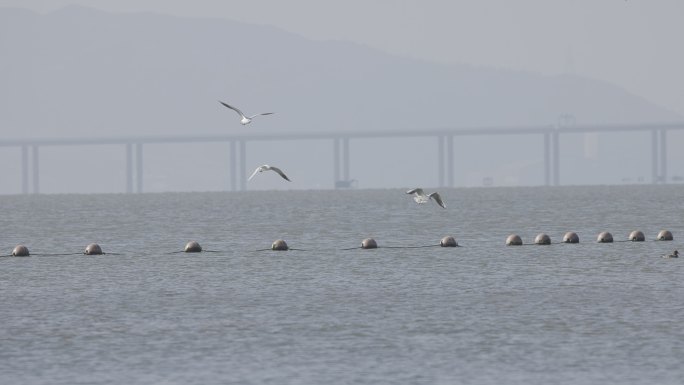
633	43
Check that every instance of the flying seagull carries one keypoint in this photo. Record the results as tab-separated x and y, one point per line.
244	119
267	168
420	197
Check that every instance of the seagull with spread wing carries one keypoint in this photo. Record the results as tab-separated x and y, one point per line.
269	168
420	197
244	119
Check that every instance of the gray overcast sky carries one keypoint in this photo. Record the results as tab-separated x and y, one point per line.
633	43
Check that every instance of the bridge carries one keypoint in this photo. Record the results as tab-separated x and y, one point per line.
30	149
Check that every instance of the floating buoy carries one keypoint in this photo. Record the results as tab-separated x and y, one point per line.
571	237
280	245
664	235
93	249
369	243
637	236
448	241
605	237
542	239
192	247
513	240
20	251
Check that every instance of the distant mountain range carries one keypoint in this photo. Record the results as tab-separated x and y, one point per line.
81	71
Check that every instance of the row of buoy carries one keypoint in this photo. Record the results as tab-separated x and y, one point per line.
23	251
370	243
194	246
572	237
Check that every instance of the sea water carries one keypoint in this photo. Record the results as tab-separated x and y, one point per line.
327	311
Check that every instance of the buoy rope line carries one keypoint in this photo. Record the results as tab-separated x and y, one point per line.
410	247
193	252
395	247
569	243
53	254
344	249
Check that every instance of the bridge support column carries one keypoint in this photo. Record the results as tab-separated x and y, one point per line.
129	168
450	160
663	156
345	159
556	158
440	160
341	162
547	159
658	156
24	169
242	165
233	166
445	160
34	174
654	156
36	183
336	161
139	167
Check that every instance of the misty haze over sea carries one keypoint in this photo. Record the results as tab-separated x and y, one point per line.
84	73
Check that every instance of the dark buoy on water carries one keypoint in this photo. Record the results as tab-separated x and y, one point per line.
20	251
605	237
192	247
448	241
93	249
665	235
637	236
369	243
571	237
513	240
542	239
280	245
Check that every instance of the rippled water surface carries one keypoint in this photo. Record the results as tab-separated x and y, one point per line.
483	313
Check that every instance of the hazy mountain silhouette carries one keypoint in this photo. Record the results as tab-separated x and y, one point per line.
83	72
80	71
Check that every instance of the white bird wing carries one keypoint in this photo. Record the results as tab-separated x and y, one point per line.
263	113
281	173
418	191
254	173
438	199
233	108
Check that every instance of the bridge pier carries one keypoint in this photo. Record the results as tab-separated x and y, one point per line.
235	165
556	157
130	160
341	162
36	184
34	174
547	159
552	158
129	168
139	167
663	156
243	164
24	169
445	160
440	161
658	156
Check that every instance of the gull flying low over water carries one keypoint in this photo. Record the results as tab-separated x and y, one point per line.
420	197
244	119
269	168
